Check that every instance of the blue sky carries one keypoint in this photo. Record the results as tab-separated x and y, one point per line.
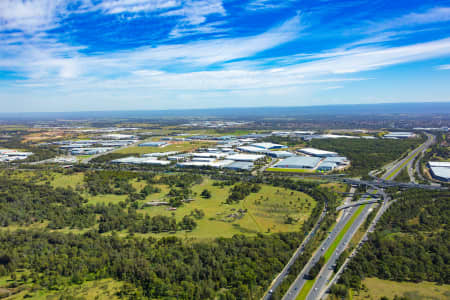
61	55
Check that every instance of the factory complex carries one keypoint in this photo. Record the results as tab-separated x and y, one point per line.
92	147
399	135
7	155
313	160
440	170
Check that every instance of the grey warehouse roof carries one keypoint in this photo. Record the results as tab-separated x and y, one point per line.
241	165
299	162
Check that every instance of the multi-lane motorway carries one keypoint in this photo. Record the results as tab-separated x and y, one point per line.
279	279
332	246
340	236
395	170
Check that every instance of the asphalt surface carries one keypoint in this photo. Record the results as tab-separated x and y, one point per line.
327	270
371	228
395	169
415	168
285	272
300	281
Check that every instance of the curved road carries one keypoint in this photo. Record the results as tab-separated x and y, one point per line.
356	215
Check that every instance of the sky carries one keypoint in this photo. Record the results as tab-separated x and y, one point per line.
80	55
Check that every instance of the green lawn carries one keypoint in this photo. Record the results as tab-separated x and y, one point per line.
266	211
377	288
103	289
64	181
182	146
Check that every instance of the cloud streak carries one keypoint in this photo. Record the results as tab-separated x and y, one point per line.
215	60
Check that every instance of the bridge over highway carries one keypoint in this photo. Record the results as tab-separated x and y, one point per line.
386	183
357	203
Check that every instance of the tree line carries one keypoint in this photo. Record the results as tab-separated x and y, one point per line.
411	243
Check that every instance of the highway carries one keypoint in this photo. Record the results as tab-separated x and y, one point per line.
300	281
279	279
327	270
413	168
353	218
395	170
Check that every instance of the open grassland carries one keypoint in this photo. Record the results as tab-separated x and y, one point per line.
64	180
272	209
335	187
377	288
181	146
104	289
262	212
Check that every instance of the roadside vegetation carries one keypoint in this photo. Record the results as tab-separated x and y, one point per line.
58	214
367	154
410	244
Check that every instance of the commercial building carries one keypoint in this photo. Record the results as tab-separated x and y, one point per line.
326	166
317	152
299	162
7	155
268	146
240	166
153	144
90	151
203	164
440	170
339	160
215	155
118	136
204	159
280	154
251	149
141	160
160	154
399	135
245	157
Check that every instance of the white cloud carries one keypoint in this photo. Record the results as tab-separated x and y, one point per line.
208	28
29	16
444	67
268	4
136	6
194	12
375	58
433	15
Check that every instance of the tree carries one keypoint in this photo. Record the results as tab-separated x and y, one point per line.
205	194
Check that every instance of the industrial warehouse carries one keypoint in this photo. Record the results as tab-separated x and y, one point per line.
440	170
312	160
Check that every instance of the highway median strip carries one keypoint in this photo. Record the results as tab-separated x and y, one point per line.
310	283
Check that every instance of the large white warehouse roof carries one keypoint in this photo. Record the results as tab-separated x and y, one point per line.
245	157
317	152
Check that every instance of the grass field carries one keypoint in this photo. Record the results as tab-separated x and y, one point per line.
336	187
377	288
182	146
266	211
64	181
99	289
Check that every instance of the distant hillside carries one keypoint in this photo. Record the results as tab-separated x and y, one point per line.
428	108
